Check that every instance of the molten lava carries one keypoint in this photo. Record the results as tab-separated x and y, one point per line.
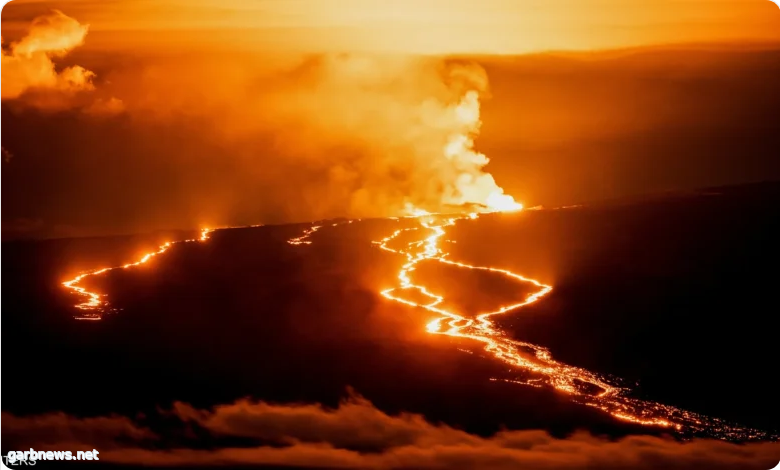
94	305
534	362
304	239
481	328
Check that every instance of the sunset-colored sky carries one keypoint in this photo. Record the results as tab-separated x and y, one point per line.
229	100
430	26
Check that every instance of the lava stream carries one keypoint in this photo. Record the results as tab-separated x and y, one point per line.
304	239
94	302
560	376
585	387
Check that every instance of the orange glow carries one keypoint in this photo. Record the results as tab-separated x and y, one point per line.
564	378
95	306
408	26
502	203
304	239
585	387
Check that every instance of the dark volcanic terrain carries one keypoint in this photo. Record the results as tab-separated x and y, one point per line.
674	293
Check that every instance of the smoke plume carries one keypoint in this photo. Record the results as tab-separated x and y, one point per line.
350	134
416	121
331	135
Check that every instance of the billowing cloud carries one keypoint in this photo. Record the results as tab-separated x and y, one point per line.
414	122
277	137
368	135
28	65
358	435
383	134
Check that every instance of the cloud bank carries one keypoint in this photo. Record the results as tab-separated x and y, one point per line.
358	435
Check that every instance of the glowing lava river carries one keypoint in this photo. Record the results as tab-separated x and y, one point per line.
534	364
95	306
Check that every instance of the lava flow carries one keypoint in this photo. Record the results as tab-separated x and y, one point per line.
534	362
562	377
304	239
94	306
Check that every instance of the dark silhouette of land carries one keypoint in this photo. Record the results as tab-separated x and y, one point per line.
675	293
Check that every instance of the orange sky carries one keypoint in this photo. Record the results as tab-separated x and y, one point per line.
418	26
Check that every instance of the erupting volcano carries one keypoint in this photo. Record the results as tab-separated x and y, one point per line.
494	234
471	187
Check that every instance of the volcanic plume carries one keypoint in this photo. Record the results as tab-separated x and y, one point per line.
390	133
471	184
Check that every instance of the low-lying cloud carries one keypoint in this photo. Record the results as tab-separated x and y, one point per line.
358	435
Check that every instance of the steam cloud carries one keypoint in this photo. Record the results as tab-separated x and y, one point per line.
28	63
416	120
324	136
360	135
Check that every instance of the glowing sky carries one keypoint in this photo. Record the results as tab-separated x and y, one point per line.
430	26
172	90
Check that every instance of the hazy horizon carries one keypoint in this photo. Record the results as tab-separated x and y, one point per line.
204	122
436	26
